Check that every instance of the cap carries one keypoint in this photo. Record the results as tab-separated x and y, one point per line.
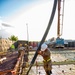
43	47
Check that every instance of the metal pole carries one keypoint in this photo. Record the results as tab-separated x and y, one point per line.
27	34
27	40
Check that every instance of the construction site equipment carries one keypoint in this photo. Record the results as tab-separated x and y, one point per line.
13	64
59	41
45	35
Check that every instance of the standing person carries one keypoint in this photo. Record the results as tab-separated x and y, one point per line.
27	49
45	53
12	47
20	49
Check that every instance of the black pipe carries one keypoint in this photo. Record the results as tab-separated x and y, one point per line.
45	35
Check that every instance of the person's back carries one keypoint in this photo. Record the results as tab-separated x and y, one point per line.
12	47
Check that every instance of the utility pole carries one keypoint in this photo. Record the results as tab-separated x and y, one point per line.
27	34
27	39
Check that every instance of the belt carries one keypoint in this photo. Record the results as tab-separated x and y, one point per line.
46	60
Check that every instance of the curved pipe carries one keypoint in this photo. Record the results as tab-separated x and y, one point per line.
44	36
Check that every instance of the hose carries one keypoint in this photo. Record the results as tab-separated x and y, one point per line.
44	36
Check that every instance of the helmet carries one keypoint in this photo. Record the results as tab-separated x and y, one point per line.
20	45
43	47
25	44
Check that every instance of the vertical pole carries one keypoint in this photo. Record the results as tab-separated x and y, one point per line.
36	68
27	34
27	40
58	27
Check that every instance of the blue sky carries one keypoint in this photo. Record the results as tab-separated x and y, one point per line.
36	13
9	7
